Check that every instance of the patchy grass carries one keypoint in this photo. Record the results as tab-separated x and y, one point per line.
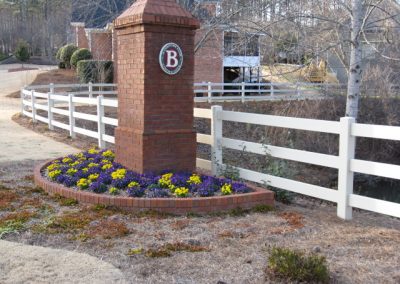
22	217
294	219
226	235
66	223
33	190
67	202
180	224
7	198
108	229
34	202
167	249
286	264
14	222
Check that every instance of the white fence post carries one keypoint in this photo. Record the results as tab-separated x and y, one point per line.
50	105
22	100
51	88
71	109
216	136
33	101
243	91
101	129
297	89
209	92
272	90
347	146
90	90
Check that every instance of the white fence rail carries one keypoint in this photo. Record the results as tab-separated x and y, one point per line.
32	101
219	92
345	162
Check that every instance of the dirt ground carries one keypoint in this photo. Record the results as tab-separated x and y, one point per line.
56	76
230	248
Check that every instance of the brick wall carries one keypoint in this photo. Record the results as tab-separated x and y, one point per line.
100	44
209	57
81	40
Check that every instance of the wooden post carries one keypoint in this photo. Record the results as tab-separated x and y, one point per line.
101	130
71	109
347	146
216	136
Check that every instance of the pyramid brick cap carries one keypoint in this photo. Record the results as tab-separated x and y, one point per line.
158	12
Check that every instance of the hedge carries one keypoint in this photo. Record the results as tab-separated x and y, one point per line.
80	54
66	54
95	71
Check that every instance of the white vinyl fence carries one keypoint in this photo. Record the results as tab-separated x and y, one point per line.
89	94
219	92
345	162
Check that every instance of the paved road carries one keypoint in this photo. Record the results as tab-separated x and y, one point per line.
18	143
28	264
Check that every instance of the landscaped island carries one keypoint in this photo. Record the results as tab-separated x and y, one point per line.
96	171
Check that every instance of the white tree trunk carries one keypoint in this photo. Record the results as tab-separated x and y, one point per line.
355	71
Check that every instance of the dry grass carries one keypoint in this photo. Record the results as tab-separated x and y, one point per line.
6	199
294	219
108	229
232	248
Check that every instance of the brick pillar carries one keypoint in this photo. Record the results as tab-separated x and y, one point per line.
81	40
155	111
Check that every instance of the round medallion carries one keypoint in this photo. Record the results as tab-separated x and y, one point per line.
171	58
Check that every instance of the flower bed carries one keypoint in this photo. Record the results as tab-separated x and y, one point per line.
95	171
93	177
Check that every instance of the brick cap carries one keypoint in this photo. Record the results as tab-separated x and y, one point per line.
157	12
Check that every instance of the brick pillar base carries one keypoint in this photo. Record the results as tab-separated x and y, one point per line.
155	152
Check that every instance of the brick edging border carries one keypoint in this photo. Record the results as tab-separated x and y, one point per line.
204	205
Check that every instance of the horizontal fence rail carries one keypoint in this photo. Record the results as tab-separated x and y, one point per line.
346	164
219	92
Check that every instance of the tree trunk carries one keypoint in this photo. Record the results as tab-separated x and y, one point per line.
355	70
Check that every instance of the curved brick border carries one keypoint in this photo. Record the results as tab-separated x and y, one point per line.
203	205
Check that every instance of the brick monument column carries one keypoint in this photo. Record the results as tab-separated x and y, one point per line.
155	87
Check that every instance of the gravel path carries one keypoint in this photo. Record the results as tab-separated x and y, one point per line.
27	264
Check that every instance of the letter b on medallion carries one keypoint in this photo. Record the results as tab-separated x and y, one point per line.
171	58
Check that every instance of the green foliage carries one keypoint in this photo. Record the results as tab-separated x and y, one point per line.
2	56
80	54
66	54
58	54
10	227
278	168
287	264
230	172
22	51
95	71
61	65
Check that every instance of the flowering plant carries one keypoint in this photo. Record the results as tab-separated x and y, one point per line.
96	171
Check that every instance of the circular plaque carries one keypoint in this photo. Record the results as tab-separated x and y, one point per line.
171	58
